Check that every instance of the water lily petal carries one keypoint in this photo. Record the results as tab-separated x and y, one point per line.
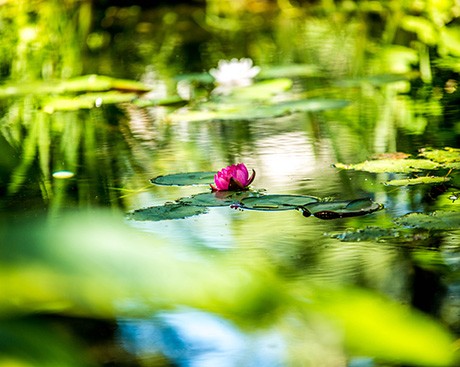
232	178
241	174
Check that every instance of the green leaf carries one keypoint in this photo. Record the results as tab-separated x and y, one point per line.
168	211
449	41
417	181
276	202
446	155
99	83
86	101
376	326
167	101
341	209
371	234
425	30
290	71
391	165
82	84
249	111
218	198
439	220
376	80
262	90
185	179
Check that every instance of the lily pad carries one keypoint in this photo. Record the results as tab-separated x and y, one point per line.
276	202
446	155
417	181
185	179
87	101
391	165
167	211
376	80
373	234
218	198
441	220
81	84
262	90
341	209
290	71
173	101
249	111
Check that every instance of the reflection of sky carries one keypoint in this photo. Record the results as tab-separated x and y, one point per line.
192	338
211	230
285	159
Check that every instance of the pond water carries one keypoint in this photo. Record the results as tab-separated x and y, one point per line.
91	277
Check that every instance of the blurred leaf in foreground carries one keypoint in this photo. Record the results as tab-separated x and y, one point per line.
93	265
378	327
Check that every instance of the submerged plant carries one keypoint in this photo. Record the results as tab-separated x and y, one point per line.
234	73
233	178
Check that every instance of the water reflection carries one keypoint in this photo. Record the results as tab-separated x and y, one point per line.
190	338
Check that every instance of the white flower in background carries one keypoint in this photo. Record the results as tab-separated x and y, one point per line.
234	73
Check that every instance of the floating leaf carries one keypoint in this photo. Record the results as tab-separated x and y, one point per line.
441	220
167	101
341	209
167	211
87	101
97	83
417	181
185	179
290	71
276	202
446	155
391	165
373	234
248	111
376	80
204	78
262	90
82	84
394	155
218	198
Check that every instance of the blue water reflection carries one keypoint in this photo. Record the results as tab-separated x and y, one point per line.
191	338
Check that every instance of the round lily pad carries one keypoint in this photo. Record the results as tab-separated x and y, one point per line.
276	202
218	198
167	211
341	209
185	179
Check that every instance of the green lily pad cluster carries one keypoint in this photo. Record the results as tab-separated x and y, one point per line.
85	92
255	102
427	160
245	200
408	228
411	226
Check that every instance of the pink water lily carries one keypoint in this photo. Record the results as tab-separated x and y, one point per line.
233	178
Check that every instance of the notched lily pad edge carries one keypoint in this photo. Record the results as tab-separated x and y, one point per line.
167	211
